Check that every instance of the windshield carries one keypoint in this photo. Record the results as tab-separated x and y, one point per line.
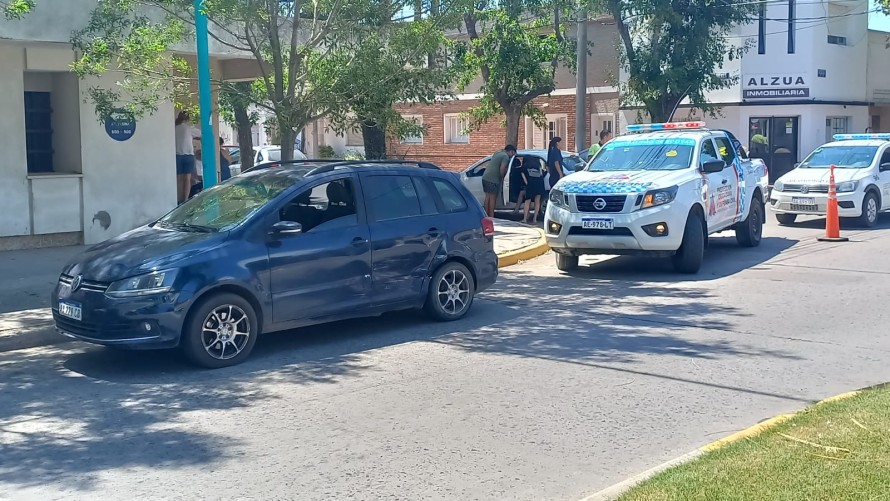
227	205
843	157
572	163
644	154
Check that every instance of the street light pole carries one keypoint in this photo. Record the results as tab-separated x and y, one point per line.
581	83
208	141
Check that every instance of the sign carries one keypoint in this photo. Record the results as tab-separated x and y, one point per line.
774	86
120	126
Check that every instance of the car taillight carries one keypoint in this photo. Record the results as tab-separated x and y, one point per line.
487	226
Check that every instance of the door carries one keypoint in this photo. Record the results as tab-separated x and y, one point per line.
775	140
405	234
327	268
718	187
734	175
537	138
473	179
884	178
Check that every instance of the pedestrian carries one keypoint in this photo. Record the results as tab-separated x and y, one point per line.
185	156
868	130
554	161
198	179
517	185
225	160
605	137
533	175
493	178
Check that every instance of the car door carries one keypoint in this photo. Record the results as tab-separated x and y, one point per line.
405	234
326	269
884	177
472	179
734	175
717	186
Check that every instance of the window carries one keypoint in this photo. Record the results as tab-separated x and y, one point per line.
835	125
708	153
455	130
724	147
836	40
479	170
791	26
354	137
39	131
537	138
761	28
418	120
390	197
885	159
327	206
450	200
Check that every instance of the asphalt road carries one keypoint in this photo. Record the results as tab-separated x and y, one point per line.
555	387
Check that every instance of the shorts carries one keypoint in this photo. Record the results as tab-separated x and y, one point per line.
489	187
185	164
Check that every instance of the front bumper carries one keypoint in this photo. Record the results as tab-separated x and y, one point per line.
849	204
627	237
147	322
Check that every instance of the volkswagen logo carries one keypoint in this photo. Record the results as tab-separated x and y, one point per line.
599	204
804	189
75	283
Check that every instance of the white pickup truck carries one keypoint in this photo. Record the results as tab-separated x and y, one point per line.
659	190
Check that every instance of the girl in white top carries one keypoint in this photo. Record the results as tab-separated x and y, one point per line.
185	155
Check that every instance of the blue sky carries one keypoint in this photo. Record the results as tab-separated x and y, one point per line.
879	21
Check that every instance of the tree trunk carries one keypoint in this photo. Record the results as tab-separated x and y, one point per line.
286	137
375	140
660	109
245	136
512	125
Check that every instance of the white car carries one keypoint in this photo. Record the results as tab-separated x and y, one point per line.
266	154
861	175
472	176
660	190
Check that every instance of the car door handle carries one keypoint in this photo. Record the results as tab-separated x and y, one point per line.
725	181
359	241
434	232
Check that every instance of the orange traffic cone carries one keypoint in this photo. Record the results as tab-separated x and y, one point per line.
832	221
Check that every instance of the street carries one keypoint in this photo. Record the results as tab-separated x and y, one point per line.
554	387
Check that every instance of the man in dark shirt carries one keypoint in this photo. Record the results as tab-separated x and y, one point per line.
493	178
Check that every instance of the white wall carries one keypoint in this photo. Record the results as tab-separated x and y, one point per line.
14	200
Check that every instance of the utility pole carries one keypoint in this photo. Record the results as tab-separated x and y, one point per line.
581	83
208	142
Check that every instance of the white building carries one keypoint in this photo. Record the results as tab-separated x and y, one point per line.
66	177
821	73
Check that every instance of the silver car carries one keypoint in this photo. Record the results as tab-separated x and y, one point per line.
472	176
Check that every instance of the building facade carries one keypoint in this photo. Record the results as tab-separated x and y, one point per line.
813	70
65	176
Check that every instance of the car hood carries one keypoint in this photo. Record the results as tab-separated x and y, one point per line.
622	182
812	176
140	251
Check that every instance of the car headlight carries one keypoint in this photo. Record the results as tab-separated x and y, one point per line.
558	198
658	197
779	186
152	283
847	186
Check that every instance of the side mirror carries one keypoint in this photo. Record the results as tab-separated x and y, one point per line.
713	166
286	228
885	166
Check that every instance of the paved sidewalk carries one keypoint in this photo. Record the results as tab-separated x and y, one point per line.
30	275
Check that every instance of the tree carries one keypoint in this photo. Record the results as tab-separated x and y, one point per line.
15	9
292	41
516	58
235	101
670	49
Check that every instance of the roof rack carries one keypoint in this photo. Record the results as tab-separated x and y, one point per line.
329	165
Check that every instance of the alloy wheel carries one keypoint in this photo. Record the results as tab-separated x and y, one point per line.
453	292
225	332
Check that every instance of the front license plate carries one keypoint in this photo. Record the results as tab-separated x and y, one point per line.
598	224
803	201
804	208
71	310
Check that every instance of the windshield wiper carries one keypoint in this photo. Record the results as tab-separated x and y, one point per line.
188	227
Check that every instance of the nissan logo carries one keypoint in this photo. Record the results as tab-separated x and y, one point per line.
804	189
75	283
599	204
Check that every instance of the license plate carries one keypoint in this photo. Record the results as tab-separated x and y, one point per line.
804	208
598	224
803	201
71	311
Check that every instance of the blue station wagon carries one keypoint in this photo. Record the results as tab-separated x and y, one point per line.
284	245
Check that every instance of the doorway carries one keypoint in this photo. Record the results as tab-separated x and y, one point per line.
775	140
537	138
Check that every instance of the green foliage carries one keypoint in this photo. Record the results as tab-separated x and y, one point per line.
15	9
234	96
671	50
326	151
353	155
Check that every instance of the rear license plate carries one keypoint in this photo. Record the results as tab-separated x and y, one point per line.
598	224
71	310
803	201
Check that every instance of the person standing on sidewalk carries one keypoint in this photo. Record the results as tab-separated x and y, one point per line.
554	163
185	156
225	160
493	178
533	175
605	137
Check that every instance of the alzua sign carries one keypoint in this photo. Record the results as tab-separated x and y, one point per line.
775	86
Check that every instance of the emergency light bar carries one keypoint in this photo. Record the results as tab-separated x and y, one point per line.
665	126
846	137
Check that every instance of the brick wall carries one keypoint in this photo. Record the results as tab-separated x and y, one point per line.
491	136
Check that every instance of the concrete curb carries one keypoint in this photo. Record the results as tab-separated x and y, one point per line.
524	254
613	492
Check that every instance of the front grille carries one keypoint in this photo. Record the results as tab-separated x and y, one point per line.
619	231
614	203
86	285
93	330
811	188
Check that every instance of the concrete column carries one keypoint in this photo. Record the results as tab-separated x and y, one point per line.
15	216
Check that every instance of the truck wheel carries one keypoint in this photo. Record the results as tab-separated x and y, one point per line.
566	263
749	231
870	209
689	256
786	219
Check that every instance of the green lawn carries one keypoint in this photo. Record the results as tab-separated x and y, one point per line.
834	451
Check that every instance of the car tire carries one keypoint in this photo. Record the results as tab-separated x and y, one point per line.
691	253
871	207
749	232
220	331
786	219
566	263
450	293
